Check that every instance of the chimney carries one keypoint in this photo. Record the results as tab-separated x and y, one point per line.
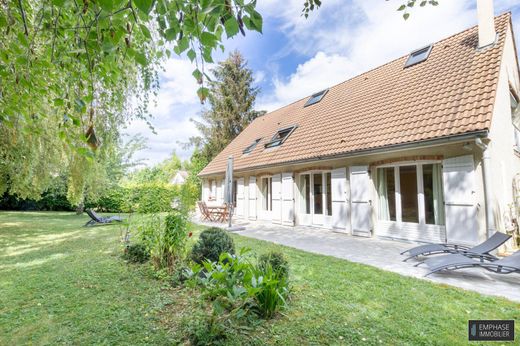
486	23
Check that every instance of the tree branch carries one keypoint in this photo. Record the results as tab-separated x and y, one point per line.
20	6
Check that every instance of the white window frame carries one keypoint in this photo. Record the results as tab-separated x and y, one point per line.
420	189
269	196
516	134
212	189
311	195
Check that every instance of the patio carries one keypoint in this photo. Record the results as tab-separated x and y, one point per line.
380	253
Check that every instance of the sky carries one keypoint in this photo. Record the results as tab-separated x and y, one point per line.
295	57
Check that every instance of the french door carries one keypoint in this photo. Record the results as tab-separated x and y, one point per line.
315	199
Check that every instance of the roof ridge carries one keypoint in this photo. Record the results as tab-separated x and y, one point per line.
383	65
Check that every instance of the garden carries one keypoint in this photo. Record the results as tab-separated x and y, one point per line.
173	282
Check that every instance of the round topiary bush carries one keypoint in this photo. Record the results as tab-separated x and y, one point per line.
212	242
278	263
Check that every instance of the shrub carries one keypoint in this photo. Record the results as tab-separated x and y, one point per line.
239	287
277	261
164	238
137	253
112	201
151	198
211	244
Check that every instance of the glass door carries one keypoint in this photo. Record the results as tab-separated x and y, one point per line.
305	214
317	198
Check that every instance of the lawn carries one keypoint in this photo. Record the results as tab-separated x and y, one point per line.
62	283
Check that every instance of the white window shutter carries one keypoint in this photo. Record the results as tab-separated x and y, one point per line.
287	199
277	198
205	190
339	198
360	201
220	192
460	200
240	197
252	198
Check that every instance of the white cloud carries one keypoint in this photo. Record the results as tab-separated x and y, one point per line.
347	38
318	73
176	103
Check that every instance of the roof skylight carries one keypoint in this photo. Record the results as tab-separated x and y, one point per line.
418	56
251	146
315	98
280	136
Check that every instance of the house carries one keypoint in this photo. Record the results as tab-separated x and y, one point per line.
179	178
423	148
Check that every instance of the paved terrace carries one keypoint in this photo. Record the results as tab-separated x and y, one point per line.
380	253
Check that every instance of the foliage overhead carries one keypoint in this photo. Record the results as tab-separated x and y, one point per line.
405	7
73	72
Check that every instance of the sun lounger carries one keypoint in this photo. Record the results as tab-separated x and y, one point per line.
484	248
506	265
96	219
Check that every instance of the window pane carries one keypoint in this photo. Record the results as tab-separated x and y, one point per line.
408	178
270	193
433	194
265	193
305	188
234	193
318	194
329	193
386	189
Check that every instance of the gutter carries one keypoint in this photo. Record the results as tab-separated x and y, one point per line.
363	152
486	177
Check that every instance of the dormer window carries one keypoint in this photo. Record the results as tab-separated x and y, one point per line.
251	146
418	56
315	98
280	136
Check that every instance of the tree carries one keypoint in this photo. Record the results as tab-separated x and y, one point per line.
161	173
73	72
231	105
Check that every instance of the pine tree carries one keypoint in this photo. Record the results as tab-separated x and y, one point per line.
231	106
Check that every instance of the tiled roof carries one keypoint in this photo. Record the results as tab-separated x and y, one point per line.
451	93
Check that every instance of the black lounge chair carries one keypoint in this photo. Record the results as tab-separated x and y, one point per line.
483	249
506	265
96	219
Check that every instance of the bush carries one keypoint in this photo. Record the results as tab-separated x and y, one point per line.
211	244
137	253
151	198
113	201
164	238
277	261
238	287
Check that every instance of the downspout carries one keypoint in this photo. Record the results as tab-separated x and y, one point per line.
486	157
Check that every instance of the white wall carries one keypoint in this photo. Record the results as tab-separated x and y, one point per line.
504	163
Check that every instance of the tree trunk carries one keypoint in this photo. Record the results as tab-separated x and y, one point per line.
80	208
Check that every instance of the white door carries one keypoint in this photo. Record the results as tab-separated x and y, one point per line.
276	213
287	199
460	202
240	197
339	199
361	207
252	198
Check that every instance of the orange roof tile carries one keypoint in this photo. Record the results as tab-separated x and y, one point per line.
451	93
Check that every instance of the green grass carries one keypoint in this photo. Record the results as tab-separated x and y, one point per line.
61	283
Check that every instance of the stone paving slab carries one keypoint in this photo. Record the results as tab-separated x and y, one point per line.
380	253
